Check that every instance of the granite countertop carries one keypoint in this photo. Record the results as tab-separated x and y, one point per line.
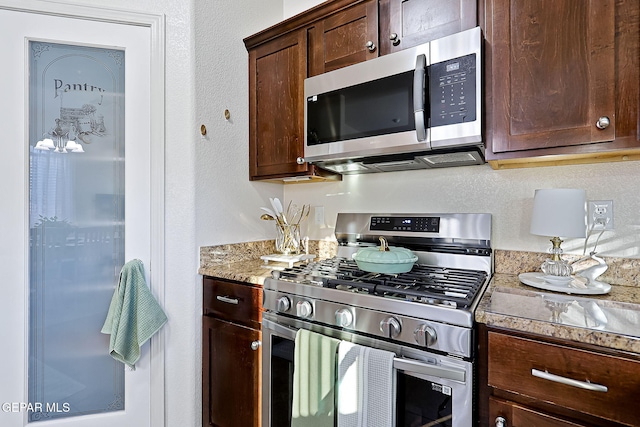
610	321
242	262
250	271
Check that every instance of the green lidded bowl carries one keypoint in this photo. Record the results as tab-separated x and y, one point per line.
385	259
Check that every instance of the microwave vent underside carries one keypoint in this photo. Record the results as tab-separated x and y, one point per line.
445	159
405	161
398	165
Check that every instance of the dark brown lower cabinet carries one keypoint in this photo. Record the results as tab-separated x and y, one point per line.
230	374
231	354
512	414
536	381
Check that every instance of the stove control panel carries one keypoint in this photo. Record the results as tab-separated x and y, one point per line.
358	318
418	224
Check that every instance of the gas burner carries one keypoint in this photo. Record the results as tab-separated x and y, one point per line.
455	288
448	287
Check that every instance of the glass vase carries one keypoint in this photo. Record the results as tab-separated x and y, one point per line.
288	239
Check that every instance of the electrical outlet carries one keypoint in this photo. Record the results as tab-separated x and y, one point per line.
319	215
600	214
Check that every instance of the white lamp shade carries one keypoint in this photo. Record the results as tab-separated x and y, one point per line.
559	212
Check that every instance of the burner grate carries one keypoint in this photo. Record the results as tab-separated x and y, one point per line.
436	285
450	287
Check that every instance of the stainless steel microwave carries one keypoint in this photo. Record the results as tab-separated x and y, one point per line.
413	109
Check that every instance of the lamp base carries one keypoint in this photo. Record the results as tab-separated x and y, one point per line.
556	266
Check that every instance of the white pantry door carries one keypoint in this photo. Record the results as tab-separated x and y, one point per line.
21	21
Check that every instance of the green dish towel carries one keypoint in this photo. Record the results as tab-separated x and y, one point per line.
134	315
314	379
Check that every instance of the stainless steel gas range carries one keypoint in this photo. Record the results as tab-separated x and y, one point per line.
424	317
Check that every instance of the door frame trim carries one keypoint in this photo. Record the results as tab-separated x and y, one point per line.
156	24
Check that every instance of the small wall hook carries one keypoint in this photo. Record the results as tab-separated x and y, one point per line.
203	130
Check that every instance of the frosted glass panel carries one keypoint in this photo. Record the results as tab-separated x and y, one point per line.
76	184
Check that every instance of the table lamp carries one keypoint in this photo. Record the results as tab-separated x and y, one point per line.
558	212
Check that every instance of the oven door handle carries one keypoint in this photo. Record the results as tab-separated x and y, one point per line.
279	329
409	365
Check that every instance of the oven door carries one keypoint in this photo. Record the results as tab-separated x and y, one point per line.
431	390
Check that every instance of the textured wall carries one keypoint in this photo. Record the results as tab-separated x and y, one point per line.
293	7
507	194
227	204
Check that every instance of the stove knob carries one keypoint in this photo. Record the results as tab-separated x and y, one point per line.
304	309
344	317
425	335
390	327
283	304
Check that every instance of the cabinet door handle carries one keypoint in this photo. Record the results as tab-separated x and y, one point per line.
395	40
603	122
568	381
501	422
371	46
227	299
256	345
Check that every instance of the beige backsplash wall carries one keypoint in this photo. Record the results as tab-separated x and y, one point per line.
506	194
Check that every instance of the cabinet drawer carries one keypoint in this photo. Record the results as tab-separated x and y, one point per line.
597	384
232	301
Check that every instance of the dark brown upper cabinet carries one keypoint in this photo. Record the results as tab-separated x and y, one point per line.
408	23
344	38
561	78
374	28
277	70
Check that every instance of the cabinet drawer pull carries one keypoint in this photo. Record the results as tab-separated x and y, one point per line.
568	381
227	299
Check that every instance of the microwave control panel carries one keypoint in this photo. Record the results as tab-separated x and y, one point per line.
452	87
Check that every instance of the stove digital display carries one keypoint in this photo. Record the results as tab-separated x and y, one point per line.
422	224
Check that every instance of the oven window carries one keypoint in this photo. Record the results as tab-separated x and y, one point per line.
422	403
282	351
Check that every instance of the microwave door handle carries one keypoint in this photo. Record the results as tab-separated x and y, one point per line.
419	98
